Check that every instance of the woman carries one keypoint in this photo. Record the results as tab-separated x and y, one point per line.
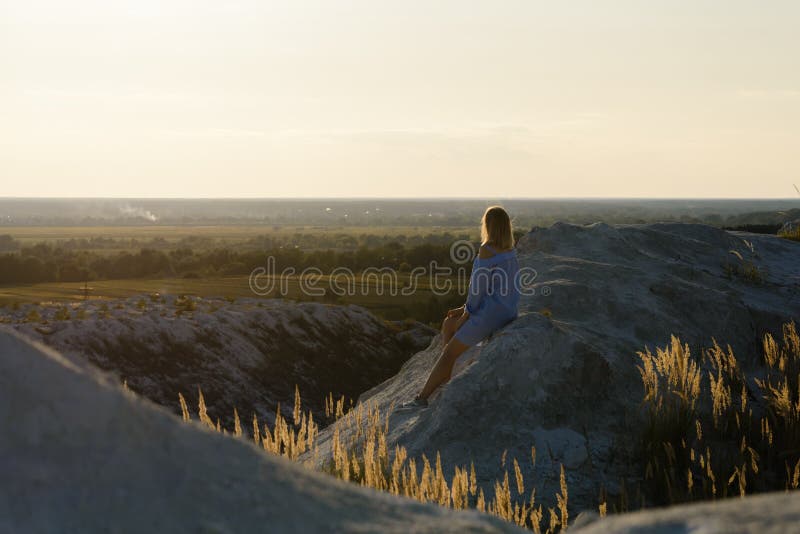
491	301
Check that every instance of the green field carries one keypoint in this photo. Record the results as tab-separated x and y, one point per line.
423	304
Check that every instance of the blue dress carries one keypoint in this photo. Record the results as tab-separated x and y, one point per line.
493	296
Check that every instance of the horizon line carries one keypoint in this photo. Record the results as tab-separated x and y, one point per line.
431	198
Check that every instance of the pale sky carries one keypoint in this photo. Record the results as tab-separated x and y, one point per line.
196	98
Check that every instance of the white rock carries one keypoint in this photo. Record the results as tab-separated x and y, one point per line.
77	454
571	372
246	355
772	513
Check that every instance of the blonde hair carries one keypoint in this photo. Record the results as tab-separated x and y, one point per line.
496	228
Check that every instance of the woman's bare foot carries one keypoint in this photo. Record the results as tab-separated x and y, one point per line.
418	402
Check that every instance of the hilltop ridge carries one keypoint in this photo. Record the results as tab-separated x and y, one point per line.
563	377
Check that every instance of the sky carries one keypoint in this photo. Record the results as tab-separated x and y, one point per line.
519	98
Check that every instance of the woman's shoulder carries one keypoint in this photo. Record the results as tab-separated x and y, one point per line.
487	251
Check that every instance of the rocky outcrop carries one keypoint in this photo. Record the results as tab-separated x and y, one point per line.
772	513
563	377
249	354
79	454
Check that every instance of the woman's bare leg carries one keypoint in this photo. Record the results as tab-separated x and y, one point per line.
449	327
451	324
444	367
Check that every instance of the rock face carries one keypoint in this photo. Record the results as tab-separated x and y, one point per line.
78	454
563	376
247	355
772	513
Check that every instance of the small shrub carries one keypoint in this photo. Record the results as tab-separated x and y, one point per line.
184	304
745	271
62	314
33	316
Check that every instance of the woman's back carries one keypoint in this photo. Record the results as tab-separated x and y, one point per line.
493	285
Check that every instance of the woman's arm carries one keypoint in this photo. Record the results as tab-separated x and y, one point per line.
456	312
478	283
474	296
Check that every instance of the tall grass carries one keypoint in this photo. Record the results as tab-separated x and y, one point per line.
359	453
710	432
793	235
719	437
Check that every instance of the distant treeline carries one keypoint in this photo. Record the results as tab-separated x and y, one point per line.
304	240
48	263
365	214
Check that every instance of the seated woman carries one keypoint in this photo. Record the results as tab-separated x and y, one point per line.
491	301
